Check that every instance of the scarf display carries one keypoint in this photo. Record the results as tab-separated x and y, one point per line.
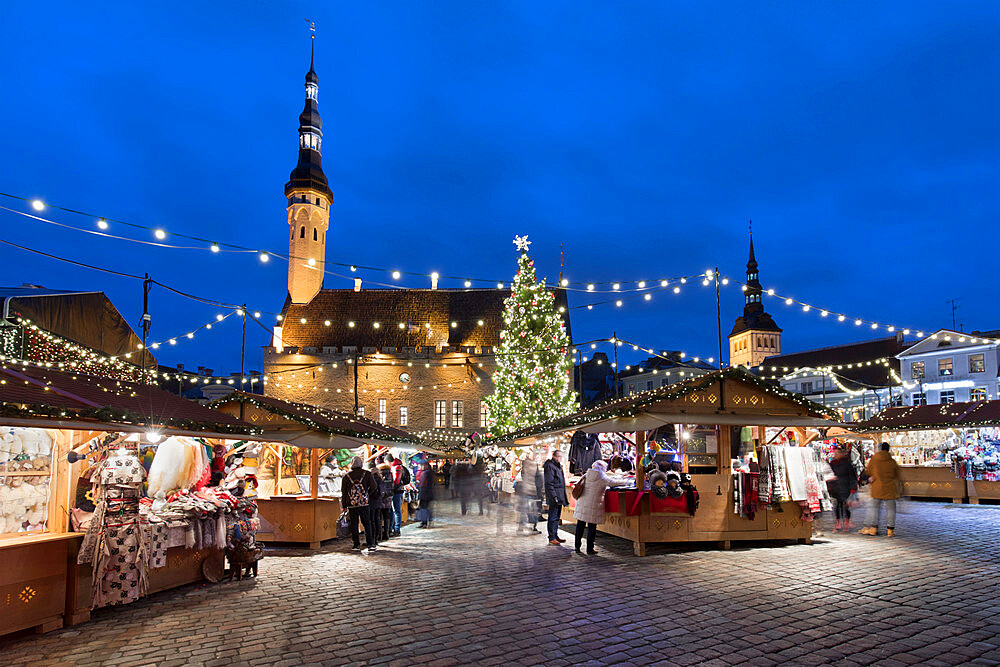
745	493
773	484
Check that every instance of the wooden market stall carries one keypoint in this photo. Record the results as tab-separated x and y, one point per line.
924	440
296	505
44	416
723	403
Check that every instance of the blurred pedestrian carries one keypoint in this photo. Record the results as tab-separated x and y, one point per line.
884	474
385	517
425	493
356	491
842	487
375	505
529	491
589	510
554	481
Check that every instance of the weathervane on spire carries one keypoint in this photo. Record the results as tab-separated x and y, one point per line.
522	243
312	28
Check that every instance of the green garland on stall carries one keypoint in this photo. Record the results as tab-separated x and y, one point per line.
631	405
118	416
311	423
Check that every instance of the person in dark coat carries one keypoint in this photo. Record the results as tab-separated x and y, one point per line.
359	509
386	518
425	493
842	486
555	494
375	505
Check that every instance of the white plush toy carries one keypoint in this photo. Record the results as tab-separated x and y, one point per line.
29	441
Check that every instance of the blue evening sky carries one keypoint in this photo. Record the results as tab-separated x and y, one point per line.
862	138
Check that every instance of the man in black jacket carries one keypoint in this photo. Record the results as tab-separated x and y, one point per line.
356	491
555	494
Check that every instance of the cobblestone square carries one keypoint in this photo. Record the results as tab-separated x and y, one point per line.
458	594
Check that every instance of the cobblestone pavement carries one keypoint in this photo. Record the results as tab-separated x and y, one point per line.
458	594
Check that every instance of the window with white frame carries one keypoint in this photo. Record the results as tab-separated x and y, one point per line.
947	397
382	407
457	414
483	415
977	394
807	387
404	413
919	399
916	370
361	411
945	366
977	363
440	414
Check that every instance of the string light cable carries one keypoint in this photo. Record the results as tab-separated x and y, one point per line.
104	223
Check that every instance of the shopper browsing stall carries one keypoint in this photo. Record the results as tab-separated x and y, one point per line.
589	510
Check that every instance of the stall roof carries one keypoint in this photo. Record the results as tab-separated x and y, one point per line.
60	399
311	426
747	400
923	417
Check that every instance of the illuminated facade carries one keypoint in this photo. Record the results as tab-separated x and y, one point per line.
755	336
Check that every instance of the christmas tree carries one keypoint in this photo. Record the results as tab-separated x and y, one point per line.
532	382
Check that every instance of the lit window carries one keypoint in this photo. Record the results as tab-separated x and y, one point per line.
382	410
457	409
945	367
917	370
361	411
482	415
978	394
403	415
977	363
440	414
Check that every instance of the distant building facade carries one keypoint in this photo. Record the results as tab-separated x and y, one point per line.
661	371
951	367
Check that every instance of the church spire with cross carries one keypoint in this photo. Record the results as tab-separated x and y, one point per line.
309	197
755	336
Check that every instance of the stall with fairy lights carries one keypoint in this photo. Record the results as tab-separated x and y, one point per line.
722	403
54	427
949	451
300	467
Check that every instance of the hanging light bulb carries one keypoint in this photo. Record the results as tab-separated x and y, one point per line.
160	234
215	247
38	205
264	257
102	223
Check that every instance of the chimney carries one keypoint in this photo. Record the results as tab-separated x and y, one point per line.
357	284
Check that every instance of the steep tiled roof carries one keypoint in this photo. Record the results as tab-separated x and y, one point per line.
413	308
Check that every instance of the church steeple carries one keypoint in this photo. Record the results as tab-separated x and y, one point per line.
309	199
755	336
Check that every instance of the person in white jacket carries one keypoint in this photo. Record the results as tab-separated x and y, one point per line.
589	509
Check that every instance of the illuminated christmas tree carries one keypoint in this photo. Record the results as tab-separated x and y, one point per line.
534	362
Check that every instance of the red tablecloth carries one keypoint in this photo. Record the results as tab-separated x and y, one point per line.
668	505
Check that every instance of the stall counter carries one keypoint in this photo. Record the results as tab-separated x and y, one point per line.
298	519
932	482
33	581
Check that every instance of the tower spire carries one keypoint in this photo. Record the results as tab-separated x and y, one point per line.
309	196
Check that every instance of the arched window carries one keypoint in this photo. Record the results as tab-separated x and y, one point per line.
315	234
302	233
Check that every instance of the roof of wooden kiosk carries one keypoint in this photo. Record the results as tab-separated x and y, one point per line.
923	417
749	401
314	418
64	399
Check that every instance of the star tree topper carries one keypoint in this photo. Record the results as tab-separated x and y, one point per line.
522	243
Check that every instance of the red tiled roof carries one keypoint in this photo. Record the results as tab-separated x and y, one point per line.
50	392
414	308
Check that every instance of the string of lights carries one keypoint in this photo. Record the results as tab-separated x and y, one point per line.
833	315
103	224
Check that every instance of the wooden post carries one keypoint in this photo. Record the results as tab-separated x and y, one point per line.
724	449
277	470
314	472
640	450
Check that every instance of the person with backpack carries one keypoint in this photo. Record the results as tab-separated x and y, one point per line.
385	519
400	478
555	494
356	489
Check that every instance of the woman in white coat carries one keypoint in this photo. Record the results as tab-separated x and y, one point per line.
589	509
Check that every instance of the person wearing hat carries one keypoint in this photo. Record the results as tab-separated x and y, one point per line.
589	510
357	490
